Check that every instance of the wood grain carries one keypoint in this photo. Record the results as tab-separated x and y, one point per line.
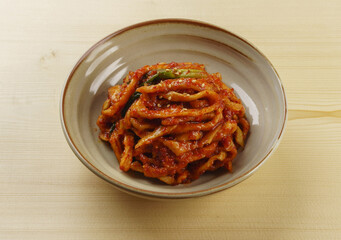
46	193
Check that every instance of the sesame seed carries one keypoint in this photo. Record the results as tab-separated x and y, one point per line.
169	86
180	80
169	98
159	105
203	85
168	105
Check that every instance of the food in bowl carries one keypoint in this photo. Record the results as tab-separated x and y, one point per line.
243	67
173	122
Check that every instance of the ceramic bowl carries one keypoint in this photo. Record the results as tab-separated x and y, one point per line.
242	66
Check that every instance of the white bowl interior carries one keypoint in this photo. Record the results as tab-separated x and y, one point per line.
242	67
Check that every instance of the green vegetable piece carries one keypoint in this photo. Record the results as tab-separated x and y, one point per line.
131	100
112	128
152	79
176	73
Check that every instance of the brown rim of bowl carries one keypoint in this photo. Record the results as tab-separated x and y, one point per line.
154	194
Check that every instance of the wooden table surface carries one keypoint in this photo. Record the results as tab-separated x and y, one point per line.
46	193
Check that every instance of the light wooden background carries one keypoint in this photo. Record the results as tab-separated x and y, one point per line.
46	193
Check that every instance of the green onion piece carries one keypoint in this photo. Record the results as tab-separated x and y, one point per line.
176	73
131	100
112	128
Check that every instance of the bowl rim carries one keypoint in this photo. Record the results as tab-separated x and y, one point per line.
155	194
